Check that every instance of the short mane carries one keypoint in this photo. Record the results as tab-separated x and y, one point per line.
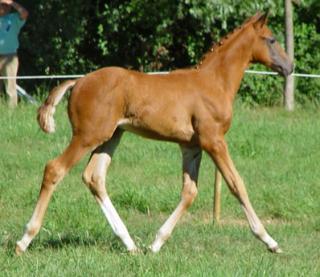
230	35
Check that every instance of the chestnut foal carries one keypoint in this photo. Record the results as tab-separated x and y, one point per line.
192	107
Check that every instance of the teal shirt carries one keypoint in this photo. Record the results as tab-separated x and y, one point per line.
10	26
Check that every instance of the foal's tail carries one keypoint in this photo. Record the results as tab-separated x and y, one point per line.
46	111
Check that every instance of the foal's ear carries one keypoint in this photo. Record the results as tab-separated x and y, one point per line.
261	21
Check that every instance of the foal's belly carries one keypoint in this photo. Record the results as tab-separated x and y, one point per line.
159	131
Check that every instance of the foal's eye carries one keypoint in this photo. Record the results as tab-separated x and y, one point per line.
272	40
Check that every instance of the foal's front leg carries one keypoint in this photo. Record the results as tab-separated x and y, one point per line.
94	177
217	149
191	164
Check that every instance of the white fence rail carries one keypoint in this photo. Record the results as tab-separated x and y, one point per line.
303	75
24	94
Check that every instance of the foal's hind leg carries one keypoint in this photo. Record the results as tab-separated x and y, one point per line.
94	177
55	170
191	164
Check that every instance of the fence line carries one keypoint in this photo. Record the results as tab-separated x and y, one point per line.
41	77
303	75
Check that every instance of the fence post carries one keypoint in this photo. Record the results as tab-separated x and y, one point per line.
289	82
217	197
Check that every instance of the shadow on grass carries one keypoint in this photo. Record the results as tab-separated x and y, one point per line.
67	243
107	244
110	244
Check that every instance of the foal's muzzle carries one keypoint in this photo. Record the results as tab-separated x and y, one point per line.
284	68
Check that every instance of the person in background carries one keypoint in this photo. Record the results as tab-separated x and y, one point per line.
10	25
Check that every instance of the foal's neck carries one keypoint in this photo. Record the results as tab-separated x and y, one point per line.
228	63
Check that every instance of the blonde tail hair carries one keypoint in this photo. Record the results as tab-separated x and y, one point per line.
47	110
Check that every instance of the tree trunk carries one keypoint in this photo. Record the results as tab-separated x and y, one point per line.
289	84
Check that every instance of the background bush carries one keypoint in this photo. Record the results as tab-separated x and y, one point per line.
74	37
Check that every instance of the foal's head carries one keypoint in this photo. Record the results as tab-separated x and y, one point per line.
267	50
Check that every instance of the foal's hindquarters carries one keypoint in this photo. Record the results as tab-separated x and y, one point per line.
90	129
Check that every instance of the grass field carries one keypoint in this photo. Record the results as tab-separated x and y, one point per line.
277	154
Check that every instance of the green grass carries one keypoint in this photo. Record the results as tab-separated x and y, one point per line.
277	154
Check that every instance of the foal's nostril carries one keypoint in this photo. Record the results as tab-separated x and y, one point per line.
285	69
291	68
288	69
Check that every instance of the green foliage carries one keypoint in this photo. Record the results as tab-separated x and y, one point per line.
75	37
261	89
54	36
307	57
167	34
